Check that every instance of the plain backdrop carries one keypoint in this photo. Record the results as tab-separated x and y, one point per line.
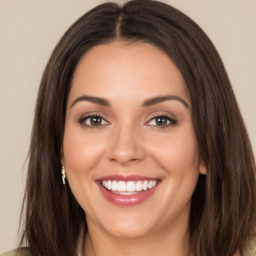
29	29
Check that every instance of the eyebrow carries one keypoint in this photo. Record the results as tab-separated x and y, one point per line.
92	99
146	103
157	100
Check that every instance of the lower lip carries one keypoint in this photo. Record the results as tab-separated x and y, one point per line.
127	200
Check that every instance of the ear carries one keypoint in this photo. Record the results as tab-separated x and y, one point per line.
202	168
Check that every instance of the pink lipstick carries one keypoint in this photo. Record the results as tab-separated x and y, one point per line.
127	190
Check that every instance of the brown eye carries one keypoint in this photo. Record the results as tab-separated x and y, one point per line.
93	121
161	121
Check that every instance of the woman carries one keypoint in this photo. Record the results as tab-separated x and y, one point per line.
138	146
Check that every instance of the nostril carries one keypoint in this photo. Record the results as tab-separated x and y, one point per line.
125	147
126	155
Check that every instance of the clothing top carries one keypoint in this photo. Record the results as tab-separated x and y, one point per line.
21	252
25	252
251	251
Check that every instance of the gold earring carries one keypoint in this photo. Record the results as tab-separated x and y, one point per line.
63	172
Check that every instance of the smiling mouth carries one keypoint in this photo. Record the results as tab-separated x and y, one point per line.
128	187
128	190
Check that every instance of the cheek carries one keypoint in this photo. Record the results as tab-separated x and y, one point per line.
178	153
81	151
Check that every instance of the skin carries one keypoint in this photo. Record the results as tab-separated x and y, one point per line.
129	141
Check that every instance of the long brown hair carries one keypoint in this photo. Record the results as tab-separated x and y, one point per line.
223	211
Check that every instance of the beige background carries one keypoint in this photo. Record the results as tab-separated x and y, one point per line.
29	29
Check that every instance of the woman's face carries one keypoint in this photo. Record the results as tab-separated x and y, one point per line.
130	150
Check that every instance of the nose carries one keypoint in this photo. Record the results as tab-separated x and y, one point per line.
126	146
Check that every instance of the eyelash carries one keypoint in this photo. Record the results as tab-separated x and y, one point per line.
171	121
83	119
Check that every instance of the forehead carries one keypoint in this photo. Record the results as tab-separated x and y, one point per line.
126	68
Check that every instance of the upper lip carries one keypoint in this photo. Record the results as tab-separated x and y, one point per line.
126	178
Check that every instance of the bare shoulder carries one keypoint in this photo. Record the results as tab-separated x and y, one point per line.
18	252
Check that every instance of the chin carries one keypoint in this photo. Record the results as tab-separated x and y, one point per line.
128	232
130	226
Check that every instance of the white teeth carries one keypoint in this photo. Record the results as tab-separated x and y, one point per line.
105	184
129	187
114	185
145	185
138	186
150	184
109	184
121	186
